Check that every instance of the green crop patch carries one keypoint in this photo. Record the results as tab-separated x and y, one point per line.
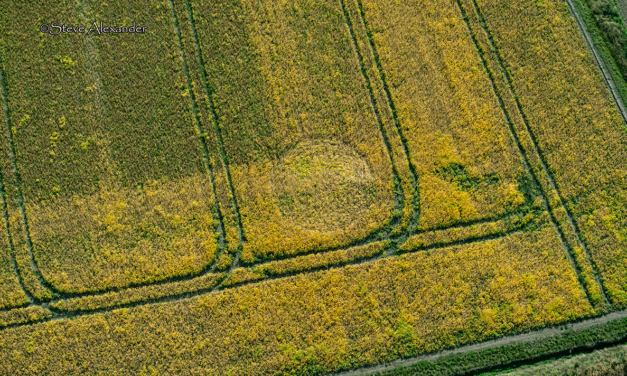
299	187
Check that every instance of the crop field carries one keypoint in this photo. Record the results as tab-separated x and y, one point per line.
300	187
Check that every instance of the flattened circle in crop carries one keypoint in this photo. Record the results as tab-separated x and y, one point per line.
323	185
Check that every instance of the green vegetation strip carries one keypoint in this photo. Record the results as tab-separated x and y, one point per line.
606	35
610	361
517	350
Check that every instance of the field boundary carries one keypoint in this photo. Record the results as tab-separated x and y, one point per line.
607	76
396	239
526	337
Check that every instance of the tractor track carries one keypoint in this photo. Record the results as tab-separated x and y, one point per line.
514	339
58	314
400	199
413	174
524	153
216	128
536	149
16	175
5	213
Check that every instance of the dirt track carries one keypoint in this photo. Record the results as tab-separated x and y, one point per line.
508	340
606	74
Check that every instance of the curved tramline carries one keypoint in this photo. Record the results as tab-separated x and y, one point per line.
391	138
303	187
85	213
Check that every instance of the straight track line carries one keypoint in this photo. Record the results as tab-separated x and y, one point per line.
5	213
203	143
20	199
217	131
62	315
538	152
397	124
523	153
5	216
400	200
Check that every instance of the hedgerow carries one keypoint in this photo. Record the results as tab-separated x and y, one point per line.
570	342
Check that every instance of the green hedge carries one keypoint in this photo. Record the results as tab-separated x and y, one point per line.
569	342
609	34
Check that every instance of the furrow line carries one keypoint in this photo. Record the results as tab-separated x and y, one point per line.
216	129
397	124
5	104
538	152
400	199
93	59
523	153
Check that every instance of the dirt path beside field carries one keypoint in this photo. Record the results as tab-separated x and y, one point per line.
504	341
606	74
